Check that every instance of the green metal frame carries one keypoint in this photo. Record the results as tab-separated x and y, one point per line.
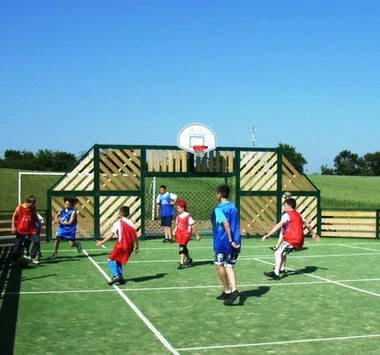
96	193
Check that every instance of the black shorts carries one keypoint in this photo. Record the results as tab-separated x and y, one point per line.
166	221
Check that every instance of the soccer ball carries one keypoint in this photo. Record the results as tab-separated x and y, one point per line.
23	262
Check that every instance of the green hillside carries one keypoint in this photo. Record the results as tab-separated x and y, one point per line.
348	192
31	185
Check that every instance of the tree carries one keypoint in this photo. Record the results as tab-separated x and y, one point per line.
293	156
372	164
327	171
43	160
348	163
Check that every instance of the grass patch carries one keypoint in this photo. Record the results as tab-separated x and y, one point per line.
304	310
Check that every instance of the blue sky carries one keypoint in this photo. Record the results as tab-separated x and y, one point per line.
78	72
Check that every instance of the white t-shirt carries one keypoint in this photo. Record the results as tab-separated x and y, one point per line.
116	228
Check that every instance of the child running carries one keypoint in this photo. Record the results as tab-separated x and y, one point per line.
183	231
126	242
68	221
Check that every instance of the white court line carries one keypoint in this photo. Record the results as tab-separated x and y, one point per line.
154	330
103	247
247	258
179	288
324	279
355	247
366	336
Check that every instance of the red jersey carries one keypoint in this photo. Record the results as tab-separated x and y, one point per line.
26	220
184	230
124	245
294	232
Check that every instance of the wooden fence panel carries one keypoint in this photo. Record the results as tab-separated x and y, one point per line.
349	223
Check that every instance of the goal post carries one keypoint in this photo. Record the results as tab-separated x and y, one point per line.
36	173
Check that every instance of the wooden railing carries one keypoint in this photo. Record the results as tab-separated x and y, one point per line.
350	223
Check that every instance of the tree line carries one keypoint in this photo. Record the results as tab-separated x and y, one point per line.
43	160
345	163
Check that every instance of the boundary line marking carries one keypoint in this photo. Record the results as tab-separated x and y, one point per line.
173	288
324	279
355	247
154	330
281	342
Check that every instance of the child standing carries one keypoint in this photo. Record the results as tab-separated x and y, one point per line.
24	221
67	219
126	242
183	231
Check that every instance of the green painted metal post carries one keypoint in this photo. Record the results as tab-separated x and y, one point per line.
279	183
96	192
142	191
48	220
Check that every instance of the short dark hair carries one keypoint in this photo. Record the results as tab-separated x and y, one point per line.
291	202
224	190
73	200
31	199
124	211
163	187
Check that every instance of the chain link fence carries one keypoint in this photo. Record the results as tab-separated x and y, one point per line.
198	192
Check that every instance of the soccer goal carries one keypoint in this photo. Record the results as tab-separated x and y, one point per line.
36	183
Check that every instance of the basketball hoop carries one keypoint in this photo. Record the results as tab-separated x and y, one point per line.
200	150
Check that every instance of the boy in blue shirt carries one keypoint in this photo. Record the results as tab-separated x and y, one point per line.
165	208
227	240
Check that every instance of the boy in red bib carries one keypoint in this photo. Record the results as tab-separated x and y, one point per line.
292	225
126	243
183	231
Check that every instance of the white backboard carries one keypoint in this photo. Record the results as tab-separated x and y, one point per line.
196	134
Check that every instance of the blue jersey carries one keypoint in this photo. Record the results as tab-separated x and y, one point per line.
67	231
225	211
166	208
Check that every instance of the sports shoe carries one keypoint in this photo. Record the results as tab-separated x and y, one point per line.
180	267
272	274
34	261
282	272
115	279
274	248
171	241
79	247
53	257
188	262
165	241
223	296
232	298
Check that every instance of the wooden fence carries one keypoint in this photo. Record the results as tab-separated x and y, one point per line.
350	223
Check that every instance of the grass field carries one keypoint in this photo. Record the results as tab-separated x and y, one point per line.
347	192
327	302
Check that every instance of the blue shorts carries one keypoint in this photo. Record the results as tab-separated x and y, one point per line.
166	221
226	259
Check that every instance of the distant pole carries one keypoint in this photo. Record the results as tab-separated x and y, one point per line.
253	136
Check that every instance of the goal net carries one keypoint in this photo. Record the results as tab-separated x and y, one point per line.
37	184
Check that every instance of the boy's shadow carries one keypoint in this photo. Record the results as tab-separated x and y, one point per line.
203	262
60	259
305	270
243	296
145	278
